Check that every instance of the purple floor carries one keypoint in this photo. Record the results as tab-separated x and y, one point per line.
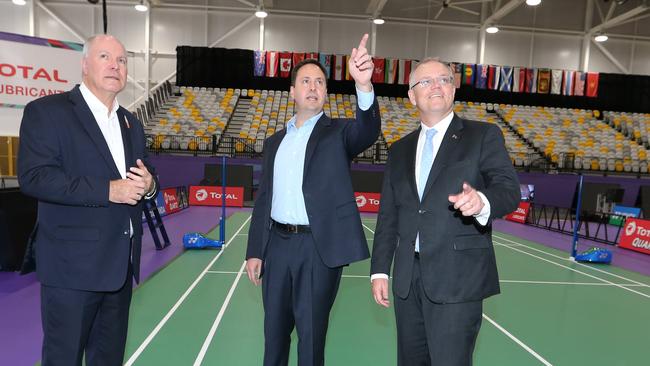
21	335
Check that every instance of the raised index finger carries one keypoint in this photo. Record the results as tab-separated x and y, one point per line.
363	42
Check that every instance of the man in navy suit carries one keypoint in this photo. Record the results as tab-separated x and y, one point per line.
83	157
443	184
305	225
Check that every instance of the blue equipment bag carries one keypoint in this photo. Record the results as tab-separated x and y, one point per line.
595	255
198	241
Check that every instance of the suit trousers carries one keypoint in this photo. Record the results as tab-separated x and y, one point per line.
429	333
298	289
77	322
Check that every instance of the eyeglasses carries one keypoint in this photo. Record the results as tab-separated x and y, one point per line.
440	80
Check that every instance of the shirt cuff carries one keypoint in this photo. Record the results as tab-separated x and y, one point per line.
365	99
484	216
153	192
378	275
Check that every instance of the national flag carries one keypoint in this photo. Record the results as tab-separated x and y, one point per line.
311	55
481	76
297	57
272	61
519	79
285	64
556	81
338	67
458	74
567	82
404	71
346	60
505	81
326	61
544	81
531	80
579	87
378	72
391	71
494	73
468	76
592	84
259	62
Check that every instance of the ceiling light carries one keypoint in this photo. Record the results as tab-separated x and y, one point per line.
142	6
533	2
378	21
600	37
492	29
261	13
19	2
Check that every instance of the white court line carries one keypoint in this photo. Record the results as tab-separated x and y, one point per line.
215	325
171	311
577	271
516	340
572	261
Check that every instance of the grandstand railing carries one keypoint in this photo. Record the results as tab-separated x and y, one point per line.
592	226
204	145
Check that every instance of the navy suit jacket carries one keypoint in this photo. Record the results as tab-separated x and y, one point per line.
456	254
81	240
326	187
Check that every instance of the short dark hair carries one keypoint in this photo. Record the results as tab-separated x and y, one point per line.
309	61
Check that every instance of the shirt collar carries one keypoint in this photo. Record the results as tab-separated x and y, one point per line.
311	122
95	105
440	127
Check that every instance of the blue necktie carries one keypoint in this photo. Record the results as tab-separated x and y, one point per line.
426	161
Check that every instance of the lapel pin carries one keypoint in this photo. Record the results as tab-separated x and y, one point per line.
126	121
454	137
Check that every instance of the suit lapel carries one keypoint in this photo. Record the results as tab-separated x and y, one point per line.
88	122
411	151
125	127
273	146
449	143
323	122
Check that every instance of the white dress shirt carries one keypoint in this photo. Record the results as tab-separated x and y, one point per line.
109	124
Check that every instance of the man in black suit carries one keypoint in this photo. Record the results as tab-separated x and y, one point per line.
83	157
305	225
443	184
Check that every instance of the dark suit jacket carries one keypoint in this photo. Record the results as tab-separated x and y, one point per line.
81	240
456	253
327	188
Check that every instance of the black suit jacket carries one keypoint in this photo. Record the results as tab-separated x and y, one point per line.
327	188
456	253
81	240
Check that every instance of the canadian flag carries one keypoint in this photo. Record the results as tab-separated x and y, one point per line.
285	64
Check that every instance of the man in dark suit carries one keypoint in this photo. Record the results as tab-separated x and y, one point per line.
443	184
83	157
305	225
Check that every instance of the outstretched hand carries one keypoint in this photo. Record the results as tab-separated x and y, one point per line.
361	66
468	201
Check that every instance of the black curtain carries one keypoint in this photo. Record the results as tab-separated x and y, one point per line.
233	68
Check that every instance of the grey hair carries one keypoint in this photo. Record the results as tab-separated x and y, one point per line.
90	40
427	60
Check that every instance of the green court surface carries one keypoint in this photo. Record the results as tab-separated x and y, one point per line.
202	310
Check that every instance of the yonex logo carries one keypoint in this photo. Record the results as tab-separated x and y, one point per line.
630	228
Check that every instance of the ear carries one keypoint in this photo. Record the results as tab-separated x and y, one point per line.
84	66
412	97
291	93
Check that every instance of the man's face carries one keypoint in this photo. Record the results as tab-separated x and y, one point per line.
104	67
310	89
434	94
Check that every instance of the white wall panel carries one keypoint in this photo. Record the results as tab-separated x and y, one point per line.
339	36
641	64
220	24
80	18
401	41
453	44
177	28
283	33
14	19
556	52
507	48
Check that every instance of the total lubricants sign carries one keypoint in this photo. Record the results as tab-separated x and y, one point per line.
367	202
212	196
636	235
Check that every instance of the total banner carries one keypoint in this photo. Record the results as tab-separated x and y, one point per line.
367	202
520	214
211	196
636	235
30	68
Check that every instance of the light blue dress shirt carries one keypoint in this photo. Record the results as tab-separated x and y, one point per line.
288	202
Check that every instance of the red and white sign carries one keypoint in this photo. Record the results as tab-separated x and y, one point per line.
520	214
367	202
211	196
172	201
636	235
